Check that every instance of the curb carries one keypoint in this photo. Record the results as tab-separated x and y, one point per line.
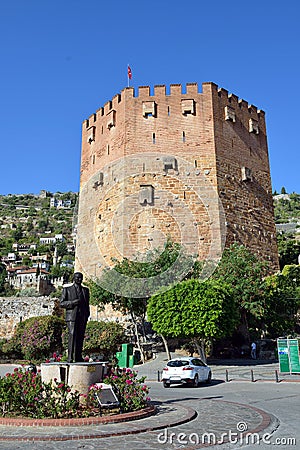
81	421
190	414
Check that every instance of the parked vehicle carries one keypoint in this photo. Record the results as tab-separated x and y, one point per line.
186	370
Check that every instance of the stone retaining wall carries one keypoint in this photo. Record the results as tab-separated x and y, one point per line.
15	309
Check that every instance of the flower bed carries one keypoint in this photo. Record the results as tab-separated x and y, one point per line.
24	395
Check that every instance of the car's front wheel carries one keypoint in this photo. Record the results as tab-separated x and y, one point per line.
166	384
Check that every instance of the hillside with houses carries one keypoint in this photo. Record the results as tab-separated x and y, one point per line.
37	240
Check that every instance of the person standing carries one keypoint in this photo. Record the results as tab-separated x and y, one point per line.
75	300
253	350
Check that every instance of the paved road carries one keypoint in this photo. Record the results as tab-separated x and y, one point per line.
224	407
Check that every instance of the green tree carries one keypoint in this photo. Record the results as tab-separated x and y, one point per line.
282	293
3	275
194	309
156	263
17	233
283	190
288	249
62	248
244	272
43	225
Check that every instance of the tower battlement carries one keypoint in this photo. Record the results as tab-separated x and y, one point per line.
167	93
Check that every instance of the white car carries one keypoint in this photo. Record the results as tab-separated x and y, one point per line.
186	370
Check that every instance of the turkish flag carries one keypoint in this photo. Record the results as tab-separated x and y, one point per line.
129	72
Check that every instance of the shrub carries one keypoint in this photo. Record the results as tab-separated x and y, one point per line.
103	337
37	338
131	391
23	393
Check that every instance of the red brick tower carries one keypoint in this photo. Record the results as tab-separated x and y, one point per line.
193	166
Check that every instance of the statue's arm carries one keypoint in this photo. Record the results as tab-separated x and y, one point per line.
67	303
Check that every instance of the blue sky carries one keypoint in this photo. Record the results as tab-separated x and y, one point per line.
63	59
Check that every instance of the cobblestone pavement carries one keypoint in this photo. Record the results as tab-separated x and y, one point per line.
213	416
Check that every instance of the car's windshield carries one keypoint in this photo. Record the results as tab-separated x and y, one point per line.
178	363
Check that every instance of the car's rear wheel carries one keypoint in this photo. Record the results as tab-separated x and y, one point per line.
196	381
208	381
166	384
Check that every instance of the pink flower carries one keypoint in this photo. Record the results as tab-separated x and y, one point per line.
128	382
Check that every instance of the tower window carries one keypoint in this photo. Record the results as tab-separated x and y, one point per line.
246	174
229	113
91	134
146	195
149	109
111	119
187	106
183	136
253	126
153	138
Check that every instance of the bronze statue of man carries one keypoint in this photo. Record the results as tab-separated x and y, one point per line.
75	299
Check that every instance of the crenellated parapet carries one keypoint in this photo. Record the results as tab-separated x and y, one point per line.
167	93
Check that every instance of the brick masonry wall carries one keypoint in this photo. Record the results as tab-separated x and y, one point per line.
15	309
215	151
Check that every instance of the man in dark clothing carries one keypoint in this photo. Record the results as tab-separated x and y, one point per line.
75	299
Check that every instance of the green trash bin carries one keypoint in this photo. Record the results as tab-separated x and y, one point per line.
131	361
127	349
122	359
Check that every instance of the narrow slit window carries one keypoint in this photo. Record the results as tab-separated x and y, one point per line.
183	136
168	110
108	149
195	162
153	138
94	158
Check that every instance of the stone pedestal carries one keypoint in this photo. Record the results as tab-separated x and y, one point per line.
79	376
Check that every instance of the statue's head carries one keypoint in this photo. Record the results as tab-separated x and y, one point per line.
78	277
